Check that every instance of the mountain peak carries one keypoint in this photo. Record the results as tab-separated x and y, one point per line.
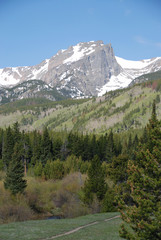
86	69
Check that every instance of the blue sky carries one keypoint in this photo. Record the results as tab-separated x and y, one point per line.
33	30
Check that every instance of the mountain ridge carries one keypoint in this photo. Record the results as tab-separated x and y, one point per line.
84	70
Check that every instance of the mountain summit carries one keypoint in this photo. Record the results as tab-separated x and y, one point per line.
87	69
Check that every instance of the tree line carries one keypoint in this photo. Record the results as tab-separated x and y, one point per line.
133	164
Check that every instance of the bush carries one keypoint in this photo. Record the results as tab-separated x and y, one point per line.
54	170
72	164
38	169
66	198
39	195
13	208
15	212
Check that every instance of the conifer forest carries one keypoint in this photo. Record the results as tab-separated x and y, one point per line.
69	174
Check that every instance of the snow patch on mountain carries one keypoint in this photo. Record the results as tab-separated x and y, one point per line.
135	64
79	53
37	73
9	76
89	68
131	70
115	82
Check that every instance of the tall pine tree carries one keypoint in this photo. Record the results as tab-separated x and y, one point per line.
95	183
14	177
46	147
144	179
8	145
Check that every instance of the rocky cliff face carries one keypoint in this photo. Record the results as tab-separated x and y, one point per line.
87	69
80	70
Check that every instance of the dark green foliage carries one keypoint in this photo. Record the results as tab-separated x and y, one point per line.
14	177
8	145
27	150
144	137
95	184
38	169
57	148
117	169
54	170
46	147
154	76
144	180
36	147
108	204
110	148
93	147
16	132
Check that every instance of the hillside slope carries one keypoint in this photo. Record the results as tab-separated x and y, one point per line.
121	110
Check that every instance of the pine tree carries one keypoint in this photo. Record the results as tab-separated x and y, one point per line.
57	144
14	177
46	147
8	145
93	147
16	132
144	179
36	148
110	149
95	184
27	152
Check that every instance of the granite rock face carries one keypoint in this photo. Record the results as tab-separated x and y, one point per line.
80	70
87	69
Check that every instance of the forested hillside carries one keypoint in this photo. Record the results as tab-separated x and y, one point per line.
71	173
120	110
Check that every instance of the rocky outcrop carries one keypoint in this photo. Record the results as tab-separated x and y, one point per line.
87	69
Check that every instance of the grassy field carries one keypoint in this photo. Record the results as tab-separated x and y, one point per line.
46	229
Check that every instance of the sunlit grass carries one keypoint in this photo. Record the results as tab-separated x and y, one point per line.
34	230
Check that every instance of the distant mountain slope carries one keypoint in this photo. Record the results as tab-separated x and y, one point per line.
29	89
146	77
120	110
85	70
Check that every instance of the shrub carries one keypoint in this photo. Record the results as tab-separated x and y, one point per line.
54	170
15	212
72	164
67	198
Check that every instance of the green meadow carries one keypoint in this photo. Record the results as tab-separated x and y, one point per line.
47	229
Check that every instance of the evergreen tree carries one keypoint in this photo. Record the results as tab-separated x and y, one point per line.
129	145
8	145
95	184
144	179
46	147
36	147
102	148
16	132
144	138
14	177
57	144
117	169
110	149
93	147
27	152
86	148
